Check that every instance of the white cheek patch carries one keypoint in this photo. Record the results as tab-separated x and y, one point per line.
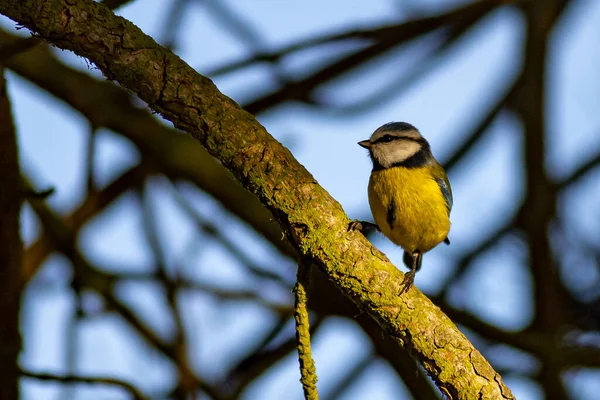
391	153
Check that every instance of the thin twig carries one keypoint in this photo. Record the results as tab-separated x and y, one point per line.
212	230
43	376
90	158
93	205
168	277
173	22
308	370
351	377
401	32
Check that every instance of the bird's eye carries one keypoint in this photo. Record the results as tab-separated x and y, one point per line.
387	139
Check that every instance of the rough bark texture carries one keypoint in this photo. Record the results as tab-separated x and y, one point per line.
312	220
308	371
11	250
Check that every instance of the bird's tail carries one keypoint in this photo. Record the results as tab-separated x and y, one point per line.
409	260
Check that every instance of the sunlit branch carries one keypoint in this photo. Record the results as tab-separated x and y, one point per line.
308	370
114	4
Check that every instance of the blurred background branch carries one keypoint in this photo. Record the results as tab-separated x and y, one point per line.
201	279
11	248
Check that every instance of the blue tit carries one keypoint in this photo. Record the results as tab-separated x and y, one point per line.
409	193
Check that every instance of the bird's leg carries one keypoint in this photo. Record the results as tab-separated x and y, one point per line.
407	283
409	277
362	226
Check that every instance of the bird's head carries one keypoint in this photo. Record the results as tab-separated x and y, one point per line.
396	143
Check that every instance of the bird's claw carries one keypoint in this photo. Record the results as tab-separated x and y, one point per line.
407	283
362	226
355	225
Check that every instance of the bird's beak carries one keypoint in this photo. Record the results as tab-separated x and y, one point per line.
365	143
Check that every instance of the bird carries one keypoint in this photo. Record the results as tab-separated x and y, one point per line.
409	194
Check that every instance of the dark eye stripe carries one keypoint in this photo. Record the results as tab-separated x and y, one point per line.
391	138
386	139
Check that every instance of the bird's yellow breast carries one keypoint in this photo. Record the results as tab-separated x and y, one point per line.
409	207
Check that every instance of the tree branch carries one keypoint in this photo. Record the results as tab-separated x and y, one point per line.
387	39
67	379
11	249
313	220
541	197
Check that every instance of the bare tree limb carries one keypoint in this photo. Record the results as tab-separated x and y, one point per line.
11	249
395	35
539	208
388	38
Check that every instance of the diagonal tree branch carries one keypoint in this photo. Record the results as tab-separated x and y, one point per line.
314	222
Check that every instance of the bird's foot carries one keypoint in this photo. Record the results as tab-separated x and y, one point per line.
362	226
407	283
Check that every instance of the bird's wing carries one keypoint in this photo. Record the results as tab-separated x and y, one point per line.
442	180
